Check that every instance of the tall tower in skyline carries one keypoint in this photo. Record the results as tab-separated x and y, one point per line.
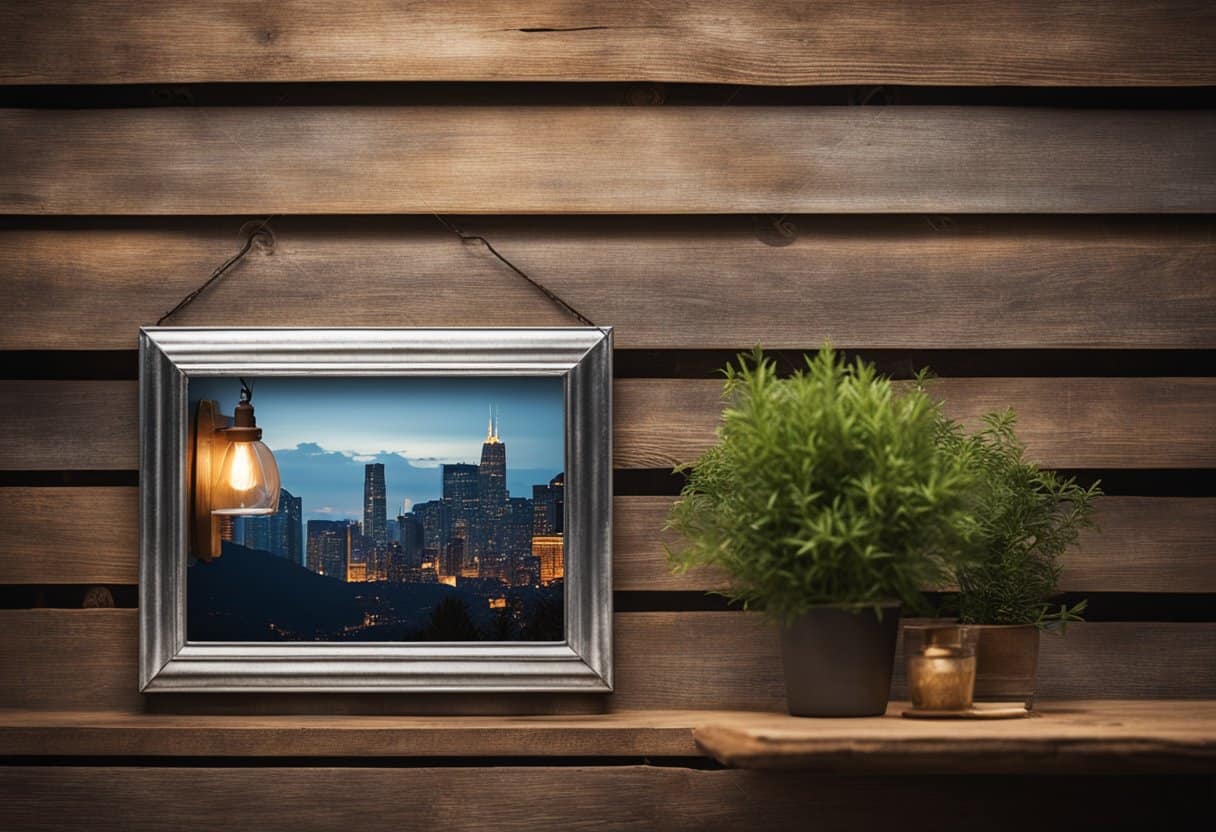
288	527
493	468
492	482
375	503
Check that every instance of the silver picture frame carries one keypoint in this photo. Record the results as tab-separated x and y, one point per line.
169	357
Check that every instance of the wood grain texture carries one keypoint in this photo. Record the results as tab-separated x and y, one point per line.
622	798
1067	423
1115	736
659	423
989	42
1146	544
626	733
662	282
722	660
86	660
89	536
70	425
1102	735
1141	544
69	535
644	160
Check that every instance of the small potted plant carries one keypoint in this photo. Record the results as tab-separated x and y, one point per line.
1024	518
827	500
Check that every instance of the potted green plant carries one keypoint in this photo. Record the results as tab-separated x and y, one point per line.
828	501
1024	520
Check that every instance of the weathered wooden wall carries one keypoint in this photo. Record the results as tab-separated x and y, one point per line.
1031	212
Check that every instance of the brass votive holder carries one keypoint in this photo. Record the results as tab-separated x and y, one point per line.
941	666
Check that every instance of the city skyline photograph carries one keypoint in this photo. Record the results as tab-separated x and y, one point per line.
405	513
412	426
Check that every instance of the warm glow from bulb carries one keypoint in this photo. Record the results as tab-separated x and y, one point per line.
242	476
247	482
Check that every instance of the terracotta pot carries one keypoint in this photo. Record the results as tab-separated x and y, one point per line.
1006	663
838	662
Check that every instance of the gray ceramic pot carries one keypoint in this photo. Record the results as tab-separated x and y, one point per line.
1006	663
838	662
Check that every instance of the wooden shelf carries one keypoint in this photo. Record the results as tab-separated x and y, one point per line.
637	733
1075	736
1092	736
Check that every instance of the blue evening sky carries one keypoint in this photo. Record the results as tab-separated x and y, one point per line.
323	431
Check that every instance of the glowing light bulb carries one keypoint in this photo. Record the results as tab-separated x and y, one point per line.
234	473
240	472
248	481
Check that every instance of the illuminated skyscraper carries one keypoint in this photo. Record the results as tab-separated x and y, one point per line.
493	468
492	484
432	516
375	503
517	527
329	547
411	539
460	484
549	550
462	504
287	526
548	506
451	560
278	533
253	532
360	556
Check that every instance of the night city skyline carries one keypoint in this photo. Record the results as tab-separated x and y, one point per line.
466	557
323	431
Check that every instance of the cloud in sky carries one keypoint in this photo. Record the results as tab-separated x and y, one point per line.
433	420
330	483
324	430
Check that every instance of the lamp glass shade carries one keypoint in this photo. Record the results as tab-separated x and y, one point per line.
248	481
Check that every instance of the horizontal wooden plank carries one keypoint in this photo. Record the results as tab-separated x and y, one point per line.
659	423
724	660
83	733
59	661
93	667
988	42
89	536
1141	544
644	160
1146	544
1066	423
664	282
86	660
46	415
69	535
1108	734
1102	735
617	798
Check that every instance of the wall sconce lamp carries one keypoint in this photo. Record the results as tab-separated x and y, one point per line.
232	473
